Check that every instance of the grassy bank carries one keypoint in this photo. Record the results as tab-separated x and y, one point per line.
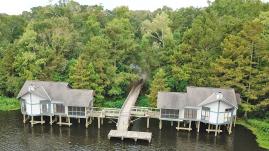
7	104
260	128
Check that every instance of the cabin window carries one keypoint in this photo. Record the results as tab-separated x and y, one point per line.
228	114
229	110
23	105
205	113
190	113
45	106
76	111
59	108
169	113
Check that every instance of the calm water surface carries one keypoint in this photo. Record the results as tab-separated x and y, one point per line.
16	136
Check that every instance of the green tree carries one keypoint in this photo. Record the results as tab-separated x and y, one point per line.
159	83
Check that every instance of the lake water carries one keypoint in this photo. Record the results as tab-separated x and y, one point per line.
16	136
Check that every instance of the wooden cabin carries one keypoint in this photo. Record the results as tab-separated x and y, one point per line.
213	106
46	98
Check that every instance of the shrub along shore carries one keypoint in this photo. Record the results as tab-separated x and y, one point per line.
8	104
260	128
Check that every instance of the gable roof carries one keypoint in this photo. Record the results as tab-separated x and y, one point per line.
196	95
216	97
58	91
171	100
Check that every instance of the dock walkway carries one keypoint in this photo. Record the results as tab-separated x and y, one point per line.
125	117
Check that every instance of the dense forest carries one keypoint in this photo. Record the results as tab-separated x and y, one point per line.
223	45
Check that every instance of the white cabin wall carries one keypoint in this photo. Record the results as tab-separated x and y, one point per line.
214	116
199	112
181	113
33	106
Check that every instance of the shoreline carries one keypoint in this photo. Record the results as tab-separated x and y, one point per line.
258	127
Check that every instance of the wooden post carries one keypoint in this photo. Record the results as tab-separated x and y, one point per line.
160	124
86	124
32	121
69	121
147	122
230	128
234	120
190	126
51	120
208	127
90	120
178	124
41	119
98	122
78	120
102	121
216	130
219	129
60	120
198	128
24	120
171	123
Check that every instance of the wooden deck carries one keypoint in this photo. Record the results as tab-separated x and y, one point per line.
130	134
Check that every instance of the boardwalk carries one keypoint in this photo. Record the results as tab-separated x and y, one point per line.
124	118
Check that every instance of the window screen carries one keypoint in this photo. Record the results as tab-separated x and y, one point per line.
59	108
205	113
169	113
76	111
190	113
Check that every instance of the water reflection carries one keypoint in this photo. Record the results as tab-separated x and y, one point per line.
14	135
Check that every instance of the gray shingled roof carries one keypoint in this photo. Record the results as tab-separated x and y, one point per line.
171	100
59	92
215	97
194	97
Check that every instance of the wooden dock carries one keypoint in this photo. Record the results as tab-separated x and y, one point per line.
130	135
124	118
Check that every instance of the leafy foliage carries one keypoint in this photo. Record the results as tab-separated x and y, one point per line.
223	45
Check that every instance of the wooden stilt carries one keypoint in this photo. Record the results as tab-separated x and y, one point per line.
189	126
216	130
234	120
147	122
219	129
178	124
78	120
42	120
86	123
171	123
32	121
230	128
102	121
98	122
51	120
69	122
160	124
60	120
208	127
198	127
24	119
90	120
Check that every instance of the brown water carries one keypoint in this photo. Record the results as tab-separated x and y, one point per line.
16	136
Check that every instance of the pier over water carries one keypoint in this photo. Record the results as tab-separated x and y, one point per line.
125	118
